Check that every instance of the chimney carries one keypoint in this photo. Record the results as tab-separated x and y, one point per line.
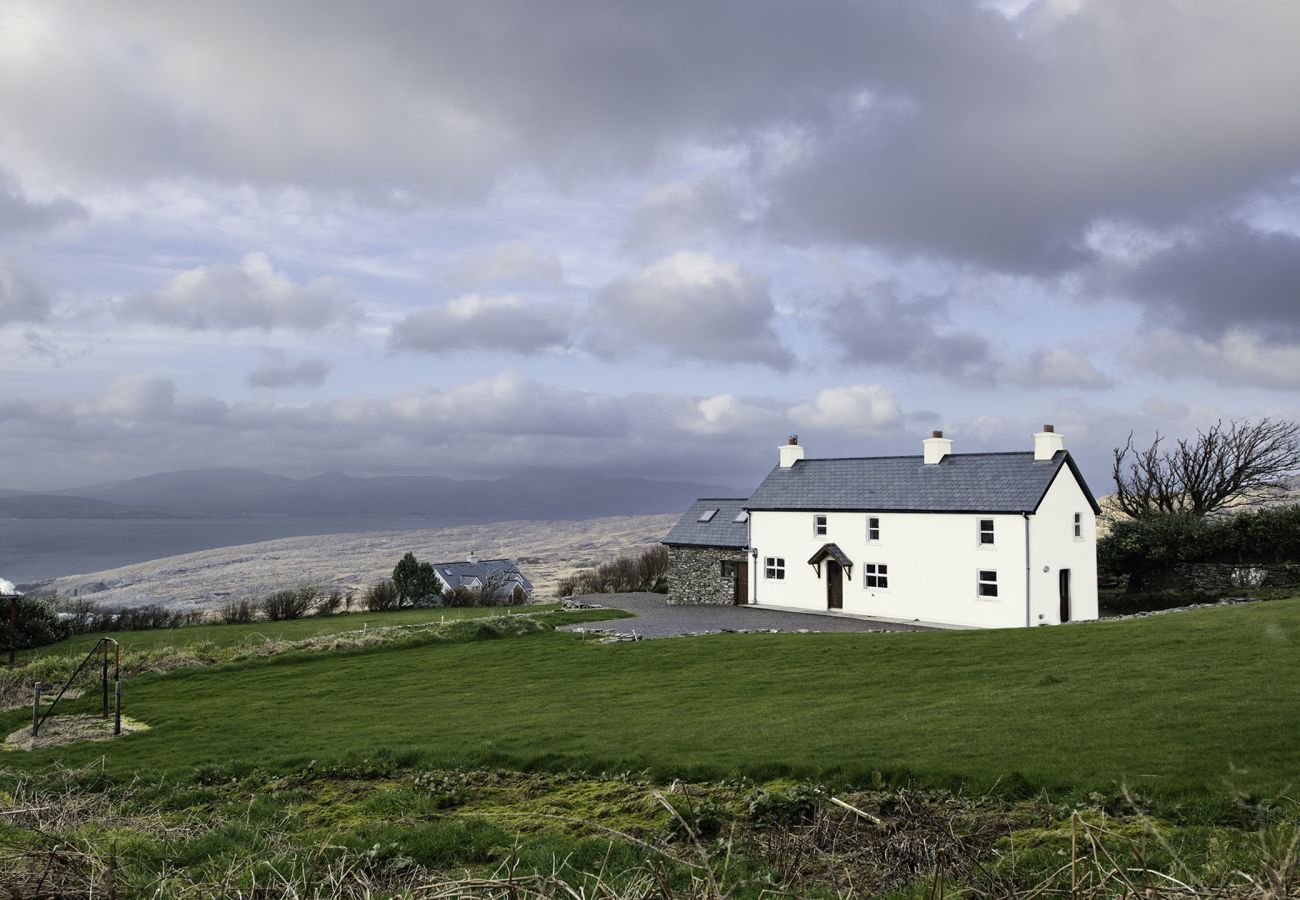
791	453
935	447
473	556
1047	442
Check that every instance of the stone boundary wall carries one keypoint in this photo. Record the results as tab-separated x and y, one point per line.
1206	578
695	575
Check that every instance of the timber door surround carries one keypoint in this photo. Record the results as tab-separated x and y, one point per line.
834	585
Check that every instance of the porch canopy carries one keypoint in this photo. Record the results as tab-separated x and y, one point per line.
831	551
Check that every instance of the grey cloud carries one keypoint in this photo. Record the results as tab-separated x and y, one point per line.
885	330
672	214
1058	367
249	295
303	373
694	307
1221	277
1009	162
21	298
19	212
494	324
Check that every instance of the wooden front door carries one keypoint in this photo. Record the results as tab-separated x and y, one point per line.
834	585
742	584
1065	596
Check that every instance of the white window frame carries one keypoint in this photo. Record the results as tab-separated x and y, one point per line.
1078	526
821	525
774	568
980	532
981	582
878	571
876	529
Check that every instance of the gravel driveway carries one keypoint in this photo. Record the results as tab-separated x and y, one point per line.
655	618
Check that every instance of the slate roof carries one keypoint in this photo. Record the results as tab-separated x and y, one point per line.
454	574
720	531
960	482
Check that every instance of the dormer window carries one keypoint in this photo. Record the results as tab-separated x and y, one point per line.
707	515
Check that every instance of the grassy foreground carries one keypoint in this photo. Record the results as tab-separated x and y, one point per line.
1194	702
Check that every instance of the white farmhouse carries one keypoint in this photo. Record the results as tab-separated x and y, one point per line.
988	540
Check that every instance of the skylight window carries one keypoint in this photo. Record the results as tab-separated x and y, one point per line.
707	515
742	516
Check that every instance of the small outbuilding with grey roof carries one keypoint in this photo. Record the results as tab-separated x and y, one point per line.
707	558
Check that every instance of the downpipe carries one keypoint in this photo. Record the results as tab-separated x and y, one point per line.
1028	619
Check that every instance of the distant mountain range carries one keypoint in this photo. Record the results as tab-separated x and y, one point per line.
537	494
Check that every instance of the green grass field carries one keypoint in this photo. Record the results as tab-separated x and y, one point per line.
292	630
1200	702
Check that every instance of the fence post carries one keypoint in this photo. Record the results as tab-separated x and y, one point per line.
103	673
117	706
36	707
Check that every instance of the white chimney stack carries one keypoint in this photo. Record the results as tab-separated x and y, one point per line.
473	556
936	447
791	453
1047	442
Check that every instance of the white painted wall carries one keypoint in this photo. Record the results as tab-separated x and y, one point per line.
1053	545
933	561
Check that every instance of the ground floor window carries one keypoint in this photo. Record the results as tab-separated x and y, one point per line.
774	567
988	583
729	568
877	575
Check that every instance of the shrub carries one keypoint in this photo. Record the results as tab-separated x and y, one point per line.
646	572
236	612
38	624
382	596
460	596
331	603
1141	548
283	605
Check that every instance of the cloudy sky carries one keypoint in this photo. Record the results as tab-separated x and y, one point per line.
643	238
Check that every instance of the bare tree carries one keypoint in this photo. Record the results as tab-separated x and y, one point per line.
1241	462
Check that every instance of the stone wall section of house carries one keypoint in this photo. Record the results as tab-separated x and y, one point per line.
695	575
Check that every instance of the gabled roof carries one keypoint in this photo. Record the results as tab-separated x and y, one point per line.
720	530
456	574
960	482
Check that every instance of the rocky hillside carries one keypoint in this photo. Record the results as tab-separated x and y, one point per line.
546	551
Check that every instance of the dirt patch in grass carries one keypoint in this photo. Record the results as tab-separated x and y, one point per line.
57	731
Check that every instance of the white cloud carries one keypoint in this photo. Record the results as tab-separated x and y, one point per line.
249	295
515	262
1238	359
472	322
694	307
859	408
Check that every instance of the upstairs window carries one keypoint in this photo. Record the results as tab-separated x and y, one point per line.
987	583
873	528
742	516
774	568
707	515
1078	526
877	575
819	525
986	532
